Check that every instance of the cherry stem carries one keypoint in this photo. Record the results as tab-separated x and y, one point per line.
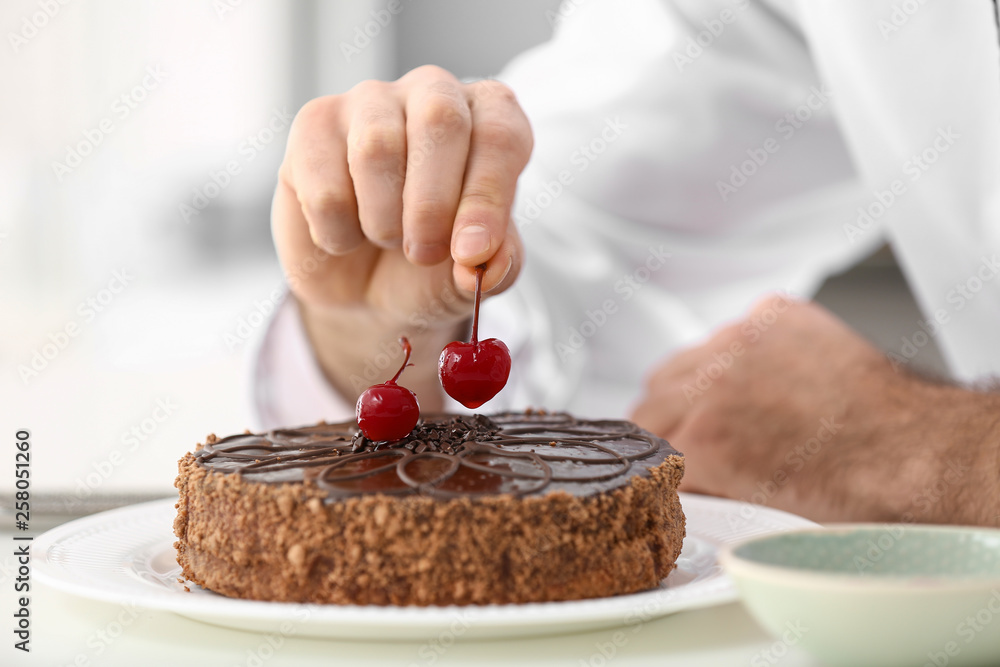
405	344
480	270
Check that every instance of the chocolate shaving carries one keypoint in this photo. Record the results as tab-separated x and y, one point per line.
446	456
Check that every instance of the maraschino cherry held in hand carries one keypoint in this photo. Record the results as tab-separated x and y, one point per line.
474	372
388	411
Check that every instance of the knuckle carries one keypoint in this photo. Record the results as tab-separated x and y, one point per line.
480	196
494	91
432	72
379	141
384	235
326	205
335	244
367	88
317	111
428	214
445	114
424	250
500	137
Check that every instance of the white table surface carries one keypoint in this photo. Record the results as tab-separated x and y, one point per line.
68	630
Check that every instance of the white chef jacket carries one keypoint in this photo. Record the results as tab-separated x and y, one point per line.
692	155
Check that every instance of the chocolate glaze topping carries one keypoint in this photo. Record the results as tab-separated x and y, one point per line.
448	456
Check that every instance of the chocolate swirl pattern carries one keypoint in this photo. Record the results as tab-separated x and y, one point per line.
448	456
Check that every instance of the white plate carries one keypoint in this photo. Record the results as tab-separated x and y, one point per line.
127	556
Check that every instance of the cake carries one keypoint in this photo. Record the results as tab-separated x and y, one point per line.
508	508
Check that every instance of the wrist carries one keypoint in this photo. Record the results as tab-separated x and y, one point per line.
357	348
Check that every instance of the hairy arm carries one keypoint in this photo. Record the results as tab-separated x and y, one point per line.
792	409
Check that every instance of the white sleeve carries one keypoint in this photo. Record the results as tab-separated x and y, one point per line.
917	94
288	387
691	155
687	160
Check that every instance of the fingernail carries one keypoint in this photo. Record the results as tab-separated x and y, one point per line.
510	265
471	241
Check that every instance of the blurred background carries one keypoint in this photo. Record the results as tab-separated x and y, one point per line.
139	144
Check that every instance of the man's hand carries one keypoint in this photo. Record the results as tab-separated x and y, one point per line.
791	409
388	198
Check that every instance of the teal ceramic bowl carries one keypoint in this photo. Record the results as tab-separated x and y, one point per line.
869	594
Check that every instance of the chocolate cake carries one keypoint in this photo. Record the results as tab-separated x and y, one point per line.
515	507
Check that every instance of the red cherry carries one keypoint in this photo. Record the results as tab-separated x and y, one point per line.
388	411
474	372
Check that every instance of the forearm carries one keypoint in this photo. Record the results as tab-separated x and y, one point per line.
933	456
964	487
357	348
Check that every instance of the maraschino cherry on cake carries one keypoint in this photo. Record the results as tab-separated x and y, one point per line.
388	411
438	509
